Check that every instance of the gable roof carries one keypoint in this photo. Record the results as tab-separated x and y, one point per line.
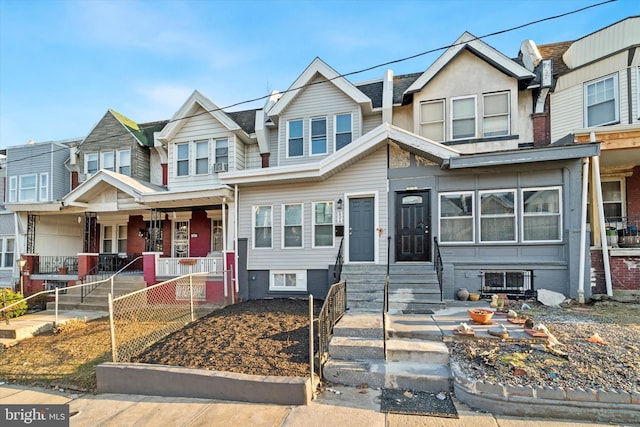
334	163
196	101
477	47
318	66
132	127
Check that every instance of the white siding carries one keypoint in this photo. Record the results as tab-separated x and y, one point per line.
371	122
240	156
317	100
58	235
367	176
253	160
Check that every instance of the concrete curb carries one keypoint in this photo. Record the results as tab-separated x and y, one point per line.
172	381
611	406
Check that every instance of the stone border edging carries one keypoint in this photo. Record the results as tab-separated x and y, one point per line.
173	381
554	402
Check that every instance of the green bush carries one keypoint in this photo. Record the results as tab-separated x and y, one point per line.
9	297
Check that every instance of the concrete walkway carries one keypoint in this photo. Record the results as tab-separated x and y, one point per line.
350	407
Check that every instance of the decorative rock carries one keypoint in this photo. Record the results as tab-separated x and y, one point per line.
550	298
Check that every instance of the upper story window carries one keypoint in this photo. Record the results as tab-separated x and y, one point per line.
28	188
295	140
91	163
27	191
222	151
202	157
432	120
344	130
318	135
601	101
496	118
262	220
182	159
124	162
43	187
12	194
463	117
292	235
108	161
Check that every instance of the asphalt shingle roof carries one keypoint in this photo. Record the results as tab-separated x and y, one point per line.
246	119
555	51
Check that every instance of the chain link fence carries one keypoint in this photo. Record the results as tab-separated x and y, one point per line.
144	317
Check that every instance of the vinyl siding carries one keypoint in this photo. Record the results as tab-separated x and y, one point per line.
567	102
371	122
253	160
320	99
367	176
240	156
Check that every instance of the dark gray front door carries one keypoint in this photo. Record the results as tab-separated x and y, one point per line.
412	226
361	232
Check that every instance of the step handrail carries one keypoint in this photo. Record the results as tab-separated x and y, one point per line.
437	265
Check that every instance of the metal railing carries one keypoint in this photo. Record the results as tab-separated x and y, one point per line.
437	265
625	229
182	266
333	308
337	268
385	311
57	264
99	271
142	318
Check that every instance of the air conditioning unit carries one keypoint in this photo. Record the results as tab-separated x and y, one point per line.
220	167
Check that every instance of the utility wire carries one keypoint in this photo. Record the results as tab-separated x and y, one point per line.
339	76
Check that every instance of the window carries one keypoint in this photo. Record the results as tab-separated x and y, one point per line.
432	120
601	101
27	191
497	216
202	157
541	214
638	90
262	227
292	235
182	160
456	217
216	235
124	162
613	198
295	146
496	114
295	280
108	161
13	189
222	151
44	187
318	135
114	243
8	251
463	117
107	239
323	224
344	133
91	163
122	239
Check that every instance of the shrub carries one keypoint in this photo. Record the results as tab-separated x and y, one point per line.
9	297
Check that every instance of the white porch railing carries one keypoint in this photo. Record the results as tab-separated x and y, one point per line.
181	266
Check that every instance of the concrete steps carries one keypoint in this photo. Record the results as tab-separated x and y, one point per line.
417	359
97	300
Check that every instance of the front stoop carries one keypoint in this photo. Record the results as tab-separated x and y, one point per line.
417	360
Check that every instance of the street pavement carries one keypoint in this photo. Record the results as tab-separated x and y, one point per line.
338	406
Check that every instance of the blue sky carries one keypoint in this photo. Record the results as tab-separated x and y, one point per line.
63	63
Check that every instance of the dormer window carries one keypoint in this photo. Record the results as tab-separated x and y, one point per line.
108	161
124	162
202	157
222	152
601	102
182	159
295	144
463	117
496	114
432	120
318	135
91	163
344	130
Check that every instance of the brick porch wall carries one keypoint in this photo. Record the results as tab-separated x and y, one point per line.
625	272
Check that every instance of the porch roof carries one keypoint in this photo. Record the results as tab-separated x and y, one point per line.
334	163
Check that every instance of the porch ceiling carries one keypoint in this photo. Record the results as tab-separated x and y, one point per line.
181	199
625	159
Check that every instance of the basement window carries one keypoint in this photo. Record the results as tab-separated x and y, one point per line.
511	282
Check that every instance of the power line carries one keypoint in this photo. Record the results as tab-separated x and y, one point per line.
373	67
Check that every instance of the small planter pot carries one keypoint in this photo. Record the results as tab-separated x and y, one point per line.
463	294
63	270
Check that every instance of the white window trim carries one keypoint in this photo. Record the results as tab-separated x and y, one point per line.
253	227
560	213
188	159
215	147
283	217
473	218
335	129
326	136
43	189
515	215
119	163
196	158
102	164
623	191
475	116
287	139
616	98
87	159
429	122
12	194
3	247
313	224
301	281
21	187
508	114
638	93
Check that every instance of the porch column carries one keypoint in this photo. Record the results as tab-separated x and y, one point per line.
149	267
86	261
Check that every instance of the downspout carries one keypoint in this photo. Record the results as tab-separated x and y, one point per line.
224	246
583	228
603	232
235	235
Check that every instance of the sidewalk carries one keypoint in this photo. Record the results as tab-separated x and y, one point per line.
349	408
